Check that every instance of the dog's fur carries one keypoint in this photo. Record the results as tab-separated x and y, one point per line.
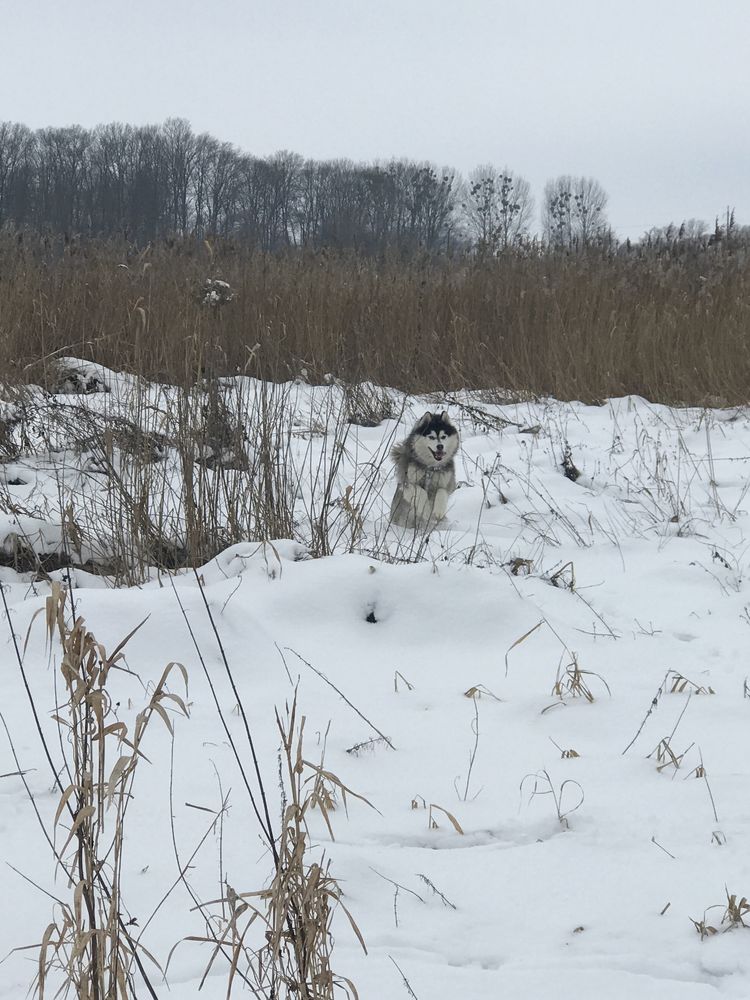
425	472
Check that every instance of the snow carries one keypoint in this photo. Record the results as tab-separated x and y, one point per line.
636	571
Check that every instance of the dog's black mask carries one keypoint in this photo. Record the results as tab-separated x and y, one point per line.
436	423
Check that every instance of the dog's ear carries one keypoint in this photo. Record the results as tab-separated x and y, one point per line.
423	421
445	419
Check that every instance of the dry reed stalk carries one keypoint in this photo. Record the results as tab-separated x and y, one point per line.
87	948
279	940
172	476
671	327
571	682
737	909
542	785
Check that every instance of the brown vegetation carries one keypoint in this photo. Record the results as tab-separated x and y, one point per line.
668	323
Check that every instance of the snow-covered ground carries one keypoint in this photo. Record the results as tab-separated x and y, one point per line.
581	851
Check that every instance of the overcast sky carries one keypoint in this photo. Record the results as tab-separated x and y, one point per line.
650	98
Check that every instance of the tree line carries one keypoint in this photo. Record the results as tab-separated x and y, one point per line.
142	183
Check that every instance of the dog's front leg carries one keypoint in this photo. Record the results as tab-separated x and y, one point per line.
440	505
421	507
416	499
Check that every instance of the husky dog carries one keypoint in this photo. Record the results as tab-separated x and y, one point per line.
425	472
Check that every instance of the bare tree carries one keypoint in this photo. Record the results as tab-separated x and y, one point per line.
267	192
112	155
156	181
62	168
216	178
430	203
382	204
344	205
573	214
557	218
16	171
589	210
690	231
498	208
180	153
150	199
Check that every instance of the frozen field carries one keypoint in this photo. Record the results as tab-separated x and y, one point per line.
561	671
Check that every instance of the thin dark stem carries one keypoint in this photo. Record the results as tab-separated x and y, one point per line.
654	703
341	695
29	695
267	831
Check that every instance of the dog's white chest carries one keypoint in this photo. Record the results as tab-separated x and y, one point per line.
436	479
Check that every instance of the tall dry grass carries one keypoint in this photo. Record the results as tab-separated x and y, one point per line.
172	476
89	948
279	941
671	326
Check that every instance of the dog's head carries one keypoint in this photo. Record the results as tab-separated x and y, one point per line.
435	439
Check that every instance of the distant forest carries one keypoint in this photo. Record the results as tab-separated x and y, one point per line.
143	183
